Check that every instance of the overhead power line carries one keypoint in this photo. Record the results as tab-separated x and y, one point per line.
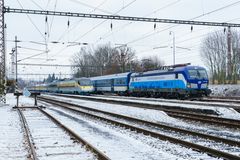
30	19
42	74
46	65
116	17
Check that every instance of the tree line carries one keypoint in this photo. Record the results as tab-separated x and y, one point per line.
214	53
105	59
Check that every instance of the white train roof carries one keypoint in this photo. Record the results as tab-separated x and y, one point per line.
118	75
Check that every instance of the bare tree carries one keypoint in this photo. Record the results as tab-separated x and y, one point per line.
235	56
103	60
125	57
83	59
214	54
151	63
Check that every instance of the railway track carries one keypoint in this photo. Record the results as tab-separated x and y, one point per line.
206	101
88	112
218	99
49	138
203	102
173	111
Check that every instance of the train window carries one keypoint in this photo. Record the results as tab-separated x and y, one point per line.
193	73
176	76
200	73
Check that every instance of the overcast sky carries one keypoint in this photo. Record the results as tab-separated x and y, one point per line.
141	36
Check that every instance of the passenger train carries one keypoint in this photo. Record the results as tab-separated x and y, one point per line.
70	86
178	81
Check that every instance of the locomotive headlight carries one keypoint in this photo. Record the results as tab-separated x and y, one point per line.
188	85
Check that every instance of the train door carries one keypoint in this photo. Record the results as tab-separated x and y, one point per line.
112	85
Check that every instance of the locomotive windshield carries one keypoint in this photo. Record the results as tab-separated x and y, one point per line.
197	74
85	82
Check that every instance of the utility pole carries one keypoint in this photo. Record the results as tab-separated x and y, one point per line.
2	55
229	56
174	47
16	85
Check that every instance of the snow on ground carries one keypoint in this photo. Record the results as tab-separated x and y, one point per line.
11	134
23	101
223	104
51	142
225	90
146	114
118	143
223	112
150	115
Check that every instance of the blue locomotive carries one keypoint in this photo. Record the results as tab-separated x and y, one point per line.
177	81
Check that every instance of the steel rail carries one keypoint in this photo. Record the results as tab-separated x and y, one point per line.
28	134
185	131
232	98
231	123
175	111
149	106
221	100
100	155
194	102
197	147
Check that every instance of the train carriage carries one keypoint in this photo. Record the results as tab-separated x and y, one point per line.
178	81
72	86
38	88
115	83
75	86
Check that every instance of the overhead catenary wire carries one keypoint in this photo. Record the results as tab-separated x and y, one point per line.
51	24
195	37
37	4
129	23
148	34
78	22
99	24
96	26
114	28
198	36
35	26
92	7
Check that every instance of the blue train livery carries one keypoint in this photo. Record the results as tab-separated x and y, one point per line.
117	83
178	81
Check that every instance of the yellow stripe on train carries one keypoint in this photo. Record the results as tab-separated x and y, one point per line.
86	87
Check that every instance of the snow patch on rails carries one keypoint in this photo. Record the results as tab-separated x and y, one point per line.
199	107
175	113
119	143
12	142
154	116
50	141
220	147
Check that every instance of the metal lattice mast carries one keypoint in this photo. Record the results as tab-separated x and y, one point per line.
2	56
117	17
